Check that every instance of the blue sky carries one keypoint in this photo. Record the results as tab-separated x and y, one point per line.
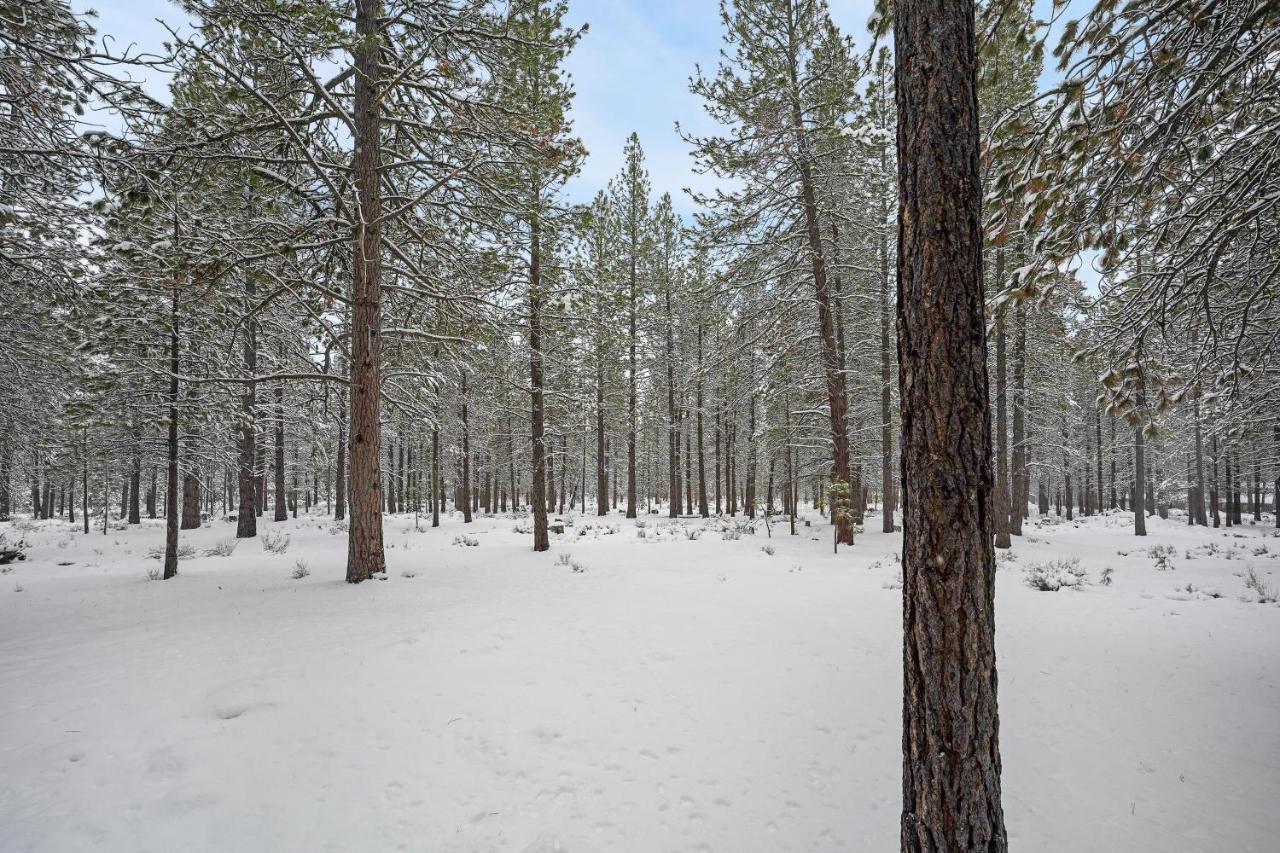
630	71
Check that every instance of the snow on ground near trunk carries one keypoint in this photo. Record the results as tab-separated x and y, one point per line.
674	694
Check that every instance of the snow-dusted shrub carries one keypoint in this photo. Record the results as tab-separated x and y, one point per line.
768	549
1163	555
467	540
522	529
274	542
338	528
693	533
300	570
185	552
1106	576
12	551
223	548
1265	592
1055	575
154	574
730	533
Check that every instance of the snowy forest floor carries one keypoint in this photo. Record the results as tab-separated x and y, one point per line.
657	693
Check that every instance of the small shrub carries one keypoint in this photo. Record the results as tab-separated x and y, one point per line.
408	574
1105	580
1163	555
768	549
467	540
300	570
693	533
185	552
12	551
223	548
274	542
1056	575
1265	592
154	575
17	587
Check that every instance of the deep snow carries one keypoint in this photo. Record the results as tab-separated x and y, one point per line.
674	694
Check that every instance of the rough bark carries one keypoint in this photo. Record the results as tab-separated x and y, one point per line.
951	756
171	480
1019	487
538	498
365	555
1002	502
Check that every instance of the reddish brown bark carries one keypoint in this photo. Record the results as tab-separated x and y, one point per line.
950	743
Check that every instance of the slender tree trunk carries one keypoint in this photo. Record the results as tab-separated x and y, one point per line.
1020	486
365	555
538	499
886	377
1139	479
191	496
135	473
246	514
171	481
1001	502
466	451
950	741
281	498
6	472
702	462
435	476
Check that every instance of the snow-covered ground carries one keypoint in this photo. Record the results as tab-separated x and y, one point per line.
657	692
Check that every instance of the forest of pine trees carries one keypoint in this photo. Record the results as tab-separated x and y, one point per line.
1005	263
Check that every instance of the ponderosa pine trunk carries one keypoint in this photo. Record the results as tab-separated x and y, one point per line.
135	472
1139	479
834	377
538	498
171	479
365	555
435	476
466	449
886	393
702	463
1001	498
281	497
246	514
950	739
190	489
340	473
1019	487
602	475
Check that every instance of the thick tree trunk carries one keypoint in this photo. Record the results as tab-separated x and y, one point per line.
365	555
950	741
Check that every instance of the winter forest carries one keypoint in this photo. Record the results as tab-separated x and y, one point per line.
373	477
